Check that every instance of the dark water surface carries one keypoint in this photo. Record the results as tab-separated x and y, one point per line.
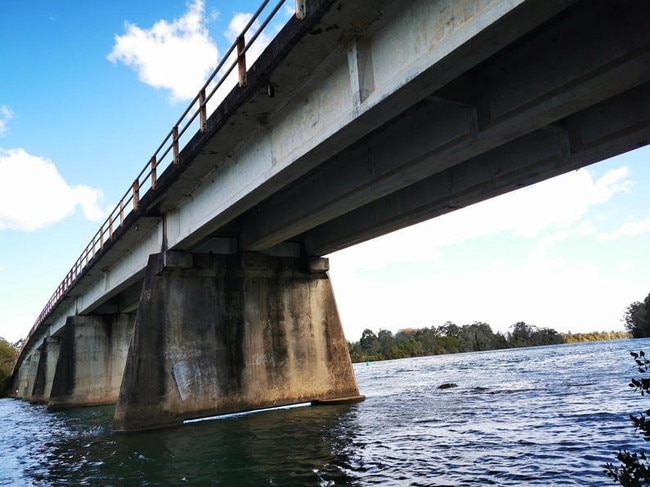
542	416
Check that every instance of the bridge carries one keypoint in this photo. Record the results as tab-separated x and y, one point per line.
206	291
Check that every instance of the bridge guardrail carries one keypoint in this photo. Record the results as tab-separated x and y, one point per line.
168	151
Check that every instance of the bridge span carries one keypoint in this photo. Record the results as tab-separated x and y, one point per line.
206	290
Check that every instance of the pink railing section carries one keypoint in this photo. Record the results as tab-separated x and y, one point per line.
168	151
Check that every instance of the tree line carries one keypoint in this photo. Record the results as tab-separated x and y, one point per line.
8	356
451	338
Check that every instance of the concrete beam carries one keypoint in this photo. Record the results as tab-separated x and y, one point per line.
614	126
409	59
604	53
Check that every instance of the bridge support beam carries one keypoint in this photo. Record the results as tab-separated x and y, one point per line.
91	360
216	334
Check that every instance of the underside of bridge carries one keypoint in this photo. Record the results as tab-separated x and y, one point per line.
570	92
383	114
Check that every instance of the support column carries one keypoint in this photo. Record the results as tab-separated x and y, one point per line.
47	359
91	360
24	380
216	334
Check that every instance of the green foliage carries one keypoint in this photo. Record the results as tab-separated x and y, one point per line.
447	338
595	336
634	469
637	318
525	335
8	356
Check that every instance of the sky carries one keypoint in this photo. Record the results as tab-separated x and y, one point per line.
89	89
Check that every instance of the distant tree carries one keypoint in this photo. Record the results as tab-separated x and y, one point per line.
525	335
8	356
449	329
637	318
634	469
356	353
521	334
386	341
479	336
369	343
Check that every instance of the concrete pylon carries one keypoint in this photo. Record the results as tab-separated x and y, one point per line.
24	380
216	334
91	360
47	359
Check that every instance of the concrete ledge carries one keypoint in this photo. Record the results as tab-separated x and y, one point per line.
339	400
319	264
177	260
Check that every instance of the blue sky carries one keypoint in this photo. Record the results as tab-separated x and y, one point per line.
89	89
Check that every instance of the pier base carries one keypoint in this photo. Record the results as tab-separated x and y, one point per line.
217	334
91	360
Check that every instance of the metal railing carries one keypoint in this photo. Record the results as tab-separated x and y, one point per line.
168	151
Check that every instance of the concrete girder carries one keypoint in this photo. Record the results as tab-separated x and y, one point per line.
324	115
609	128
599	59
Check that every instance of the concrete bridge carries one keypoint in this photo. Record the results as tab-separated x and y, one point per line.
206	290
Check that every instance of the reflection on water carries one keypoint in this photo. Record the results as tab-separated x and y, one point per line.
282	447
543	416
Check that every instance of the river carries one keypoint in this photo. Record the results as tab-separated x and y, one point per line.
538	416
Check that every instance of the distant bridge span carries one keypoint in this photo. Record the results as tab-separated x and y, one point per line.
359	118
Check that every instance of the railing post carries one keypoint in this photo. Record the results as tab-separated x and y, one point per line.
136	194
203	113
301	9
175	143
241	61
154	177
121	211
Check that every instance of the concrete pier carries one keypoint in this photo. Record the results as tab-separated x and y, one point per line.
216	334
47	358
25	377
91	360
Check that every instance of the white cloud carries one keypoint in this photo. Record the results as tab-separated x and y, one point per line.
627	229
176	56
499	290
6	114
237	24
33	194
555	204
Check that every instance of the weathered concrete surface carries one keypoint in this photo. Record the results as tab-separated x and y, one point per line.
48	357
25	376
91	360
221	333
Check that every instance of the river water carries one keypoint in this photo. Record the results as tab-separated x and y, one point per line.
538	416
